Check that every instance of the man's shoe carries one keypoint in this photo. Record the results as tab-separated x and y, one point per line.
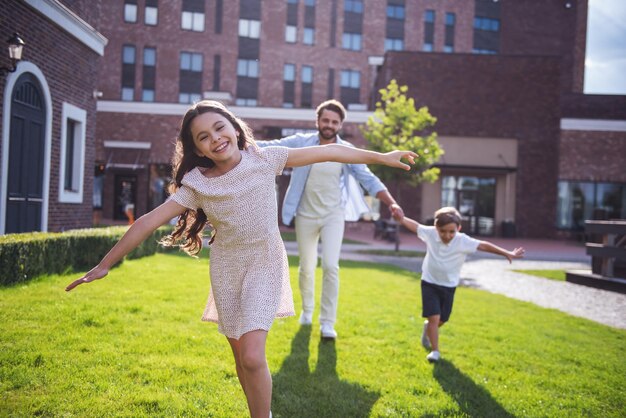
433	356
328	332
306	318
425	340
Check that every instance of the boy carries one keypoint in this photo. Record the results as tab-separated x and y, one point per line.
446	251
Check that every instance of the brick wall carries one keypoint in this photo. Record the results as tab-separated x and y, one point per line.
593	156
495	97
70	69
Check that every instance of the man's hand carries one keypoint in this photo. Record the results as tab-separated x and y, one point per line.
396	212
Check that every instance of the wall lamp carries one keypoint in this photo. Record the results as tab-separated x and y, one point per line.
16	44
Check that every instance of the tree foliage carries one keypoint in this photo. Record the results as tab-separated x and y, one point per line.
397	124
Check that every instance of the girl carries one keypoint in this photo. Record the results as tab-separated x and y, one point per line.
222	178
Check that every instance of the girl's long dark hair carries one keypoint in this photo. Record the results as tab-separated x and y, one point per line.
191	223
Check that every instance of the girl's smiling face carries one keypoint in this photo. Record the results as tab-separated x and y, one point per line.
215	138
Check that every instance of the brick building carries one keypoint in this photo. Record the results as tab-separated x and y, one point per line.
513	121
48	114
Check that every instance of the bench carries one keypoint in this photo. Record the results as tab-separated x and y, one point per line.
609	251
606	244
387	229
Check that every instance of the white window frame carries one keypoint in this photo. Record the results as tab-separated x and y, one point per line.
193	21
79	116
291	34
249	28
130	13
151	16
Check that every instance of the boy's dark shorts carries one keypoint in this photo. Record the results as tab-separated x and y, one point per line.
437	300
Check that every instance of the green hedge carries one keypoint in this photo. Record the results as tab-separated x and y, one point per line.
26	256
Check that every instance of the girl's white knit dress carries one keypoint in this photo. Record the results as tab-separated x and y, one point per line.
248	263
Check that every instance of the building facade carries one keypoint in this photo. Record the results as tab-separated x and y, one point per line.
48	114
513	120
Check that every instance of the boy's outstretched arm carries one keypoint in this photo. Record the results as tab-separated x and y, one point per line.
348	155
509	255
408	223
135	235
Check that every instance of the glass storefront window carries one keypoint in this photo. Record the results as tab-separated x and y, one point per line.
475	199
580	201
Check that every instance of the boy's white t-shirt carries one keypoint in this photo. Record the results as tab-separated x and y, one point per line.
443	262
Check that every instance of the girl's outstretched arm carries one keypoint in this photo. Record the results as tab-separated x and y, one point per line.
348	155
136	234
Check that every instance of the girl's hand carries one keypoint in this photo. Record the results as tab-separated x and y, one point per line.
393	159
516	253
95	273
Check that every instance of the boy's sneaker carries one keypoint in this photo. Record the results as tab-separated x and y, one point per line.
306	318
425	340
328	332
433	356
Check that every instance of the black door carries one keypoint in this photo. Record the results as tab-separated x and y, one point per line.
26	157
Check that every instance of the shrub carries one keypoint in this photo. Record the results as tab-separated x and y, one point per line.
26	256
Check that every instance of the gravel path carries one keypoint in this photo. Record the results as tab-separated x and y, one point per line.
495	275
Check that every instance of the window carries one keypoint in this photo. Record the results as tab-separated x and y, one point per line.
71	173
248	68
579	201
307	86
450	19
292	1
289	72
308	36
190	61
448	44
307	74
149	57
289	90
249	28
128	54
350	83
309	2
151	13
351	41
128	72
429	30
350	78
149	74
395	11
190	78
394	44
291	34
192	17
355	6
245	102
485	23
130	11
484	51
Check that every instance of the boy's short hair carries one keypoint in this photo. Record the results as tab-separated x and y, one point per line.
447	215
332	105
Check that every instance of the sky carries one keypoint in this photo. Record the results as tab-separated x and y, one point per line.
605	62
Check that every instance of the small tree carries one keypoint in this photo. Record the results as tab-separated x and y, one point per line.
397	124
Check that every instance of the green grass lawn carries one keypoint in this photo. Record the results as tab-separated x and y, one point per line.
558	275
399	253
132	345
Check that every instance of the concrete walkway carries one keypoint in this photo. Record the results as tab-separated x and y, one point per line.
495	274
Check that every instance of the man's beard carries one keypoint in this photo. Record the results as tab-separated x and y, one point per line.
327	133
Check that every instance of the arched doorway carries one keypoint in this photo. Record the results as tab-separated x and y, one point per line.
25	179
